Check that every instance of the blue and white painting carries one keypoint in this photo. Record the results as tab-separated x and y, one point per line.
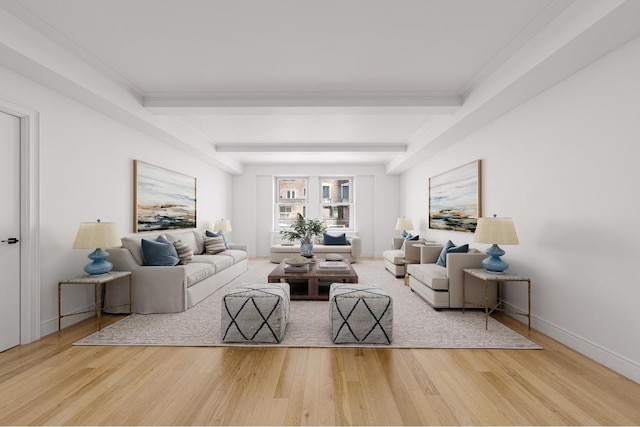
454	199
164	199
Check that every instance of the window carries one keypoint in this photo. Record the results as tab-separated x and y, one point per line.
336	202
327	198
291	199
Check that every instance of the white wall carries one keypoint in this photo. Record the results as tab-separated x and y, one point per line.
564	166
86	173
377	204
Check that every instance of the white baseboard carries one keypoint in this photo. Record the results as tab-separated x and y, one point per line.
608	358
51	326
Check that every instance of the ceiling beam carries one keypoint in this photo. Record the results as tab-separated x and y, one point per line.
443	102
310	148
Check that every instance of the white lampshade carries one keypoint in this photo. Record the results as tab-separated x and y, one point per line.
93	235
222	225
499	231
404	224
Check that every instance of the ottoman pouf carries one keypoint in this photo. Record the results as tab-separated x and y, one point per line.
360	314
255	313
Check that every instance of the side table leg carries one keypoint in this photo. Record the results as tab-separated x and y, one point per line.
98	291
486	305
59	305
529	302
464	298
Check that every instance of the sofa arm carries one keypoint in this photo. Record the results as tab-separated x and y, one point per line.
239	246
412	249
122	259
456	262
156	289
356	246
396	243
429	253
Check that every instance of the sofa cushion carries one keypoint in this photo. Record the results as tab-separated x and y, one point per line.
395	256
218	234
219	261
340	239
185	253
330	249
134	245
213	245
197	272
236	254
433	275
186	237
159	252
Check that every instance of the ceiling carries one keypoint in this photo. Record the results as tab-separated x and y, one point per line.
304	81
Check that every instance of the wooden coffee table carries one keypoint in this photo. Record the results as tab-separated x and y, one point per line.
312	284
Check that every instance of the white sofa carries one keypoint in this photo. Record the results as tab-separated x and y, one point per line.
441	286
395	259
350	252
171	289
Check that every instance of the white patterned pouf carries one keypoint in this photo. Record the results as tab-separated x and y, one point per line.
360	314
255	313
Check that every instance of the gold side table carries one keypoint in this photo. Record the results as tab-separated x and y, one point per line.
499	278
97	281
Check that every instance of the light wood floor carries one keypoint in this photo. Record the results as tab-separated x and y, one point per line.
53	382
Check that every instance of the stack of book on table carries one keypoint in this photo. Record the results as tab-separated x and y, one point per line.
333	267
296	268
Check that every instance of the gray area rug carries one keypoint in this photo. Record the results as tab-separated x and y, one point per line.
415	325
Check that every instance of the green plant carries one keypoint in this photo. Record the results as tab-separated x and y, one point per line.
304	230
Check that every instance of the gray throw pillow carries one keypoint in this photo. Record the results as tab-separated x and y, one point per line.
159	252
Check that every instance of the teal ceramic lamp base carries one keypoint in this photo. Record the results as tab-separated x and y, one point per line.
494	263
98	264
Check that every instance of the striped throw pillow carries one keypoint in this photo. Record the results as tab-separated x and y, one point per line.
185	253
213	245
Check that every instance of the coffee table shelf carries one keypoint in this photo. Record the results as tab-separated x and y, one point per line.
312	284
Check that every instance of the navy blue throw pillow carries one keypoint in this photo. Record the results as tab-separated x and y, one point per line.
335	240
451	249
220	233
442	259
159	252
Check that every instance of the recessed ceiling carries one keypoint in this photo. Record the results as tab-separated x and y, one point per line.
287	74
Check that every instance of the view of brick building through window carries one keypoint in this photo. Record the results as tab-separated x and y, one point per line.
335	202
332	200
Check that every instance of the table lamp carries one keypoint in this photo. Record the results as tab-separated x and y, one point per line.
97	235
222	225
404	224
495	231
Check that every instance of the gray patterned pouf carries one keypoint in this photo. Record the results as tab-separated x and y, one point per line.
360	314
255	313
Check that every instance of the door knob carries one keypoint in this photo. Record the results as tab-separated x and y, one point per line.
11	240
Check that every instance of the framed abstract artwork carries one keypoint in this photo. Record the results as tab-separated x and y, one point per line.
454	199
163	199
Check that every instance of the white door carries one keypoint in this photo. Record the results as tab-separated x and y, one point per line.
9	230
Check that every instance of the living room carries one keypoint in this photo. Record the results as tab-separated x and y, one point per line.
557	145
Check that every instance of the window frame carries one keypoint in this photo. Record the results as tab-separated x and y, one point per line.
315	203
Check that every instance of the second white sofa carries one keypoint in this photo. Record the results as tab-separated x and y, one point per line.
441	286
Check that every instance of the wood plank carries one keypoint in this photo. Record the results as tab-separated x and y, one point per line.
53	382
